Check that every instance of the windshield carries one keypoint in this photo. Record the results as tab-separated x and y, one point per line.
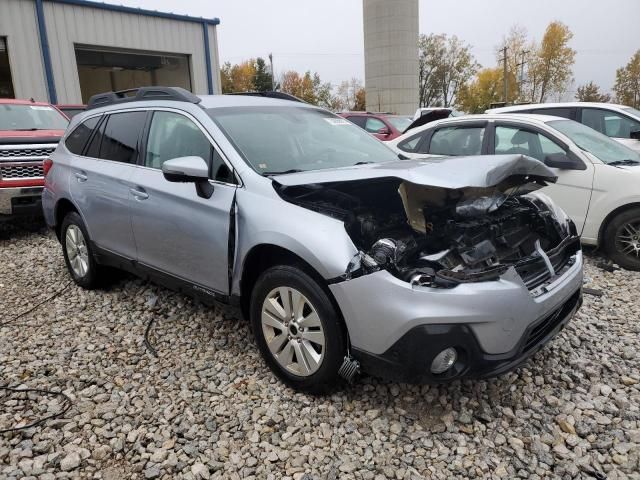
288	139
400	123
632	111
594	142
31	117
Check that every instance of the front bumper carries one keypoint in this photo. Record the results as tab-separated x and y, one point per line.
21	201
405	326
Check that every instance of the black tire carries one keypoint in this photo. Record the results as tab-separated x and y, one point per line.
326	377
612	245
90	279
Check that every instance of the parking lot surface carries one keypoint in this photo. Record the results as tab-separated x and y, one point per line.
208	407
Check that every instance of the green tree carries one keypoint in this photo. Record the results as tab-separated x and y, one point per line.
550	71
445	64
590	92
627	86
263	79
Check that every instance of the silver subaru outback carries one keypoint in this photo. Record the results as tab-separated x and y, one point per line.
344	257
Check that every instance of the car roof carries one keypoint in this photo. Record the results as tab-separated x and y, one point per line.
18	101
221	101
515	108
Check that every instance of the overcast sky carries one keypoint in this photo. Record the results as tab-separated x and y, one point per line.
326	35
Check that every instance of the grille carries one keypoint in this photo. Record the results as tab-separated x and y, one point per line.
28	170
21	152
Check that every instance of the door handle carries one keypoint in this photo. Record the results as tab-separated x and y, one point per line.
139	194
81	176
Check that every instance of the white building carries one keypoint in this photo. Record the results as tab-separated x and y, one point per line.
64	51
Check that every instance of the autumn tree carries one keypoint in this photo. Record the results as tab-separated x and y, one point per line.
520	52
627	86
360	100
550	71
445	64
590	92
487	88
239	77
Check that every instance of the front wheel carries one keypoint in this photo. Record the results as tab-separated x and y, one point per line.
622	239
297	329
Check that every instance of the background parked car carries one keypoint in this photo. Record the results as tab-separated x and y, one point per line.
384	126
615	121
71	110
598	178
29	133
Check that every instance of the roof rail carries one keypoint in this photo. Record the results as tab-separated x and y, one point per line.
270	94
143	93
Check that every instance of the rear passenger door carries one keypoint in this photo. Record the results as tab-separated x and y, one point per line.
100	181
177	232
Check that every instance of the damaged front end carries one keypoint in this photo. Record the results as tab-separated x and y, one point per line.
449	232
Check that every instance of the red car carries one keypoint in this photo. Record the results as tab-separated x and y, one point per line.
71	110
384	126
29	133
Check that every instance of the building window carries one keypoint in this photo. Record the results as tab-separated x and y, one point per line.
103	69
6	84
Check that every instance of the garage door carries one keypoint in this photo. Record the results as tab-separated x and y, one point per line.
103	70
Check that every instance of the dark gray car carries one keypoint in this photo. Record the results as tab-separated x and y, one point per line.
344	257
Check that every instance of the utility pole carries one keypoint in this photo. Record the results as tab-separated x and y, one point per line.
505	81
272	74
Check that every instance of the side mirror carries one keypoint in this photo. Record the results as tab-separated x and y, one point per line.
635	135
189	170
563	162
384	131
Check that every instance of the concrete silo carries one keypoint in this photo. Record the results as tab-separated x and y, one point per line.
391	55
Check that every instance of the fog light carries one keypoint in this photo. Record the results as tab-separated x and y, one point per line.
444	360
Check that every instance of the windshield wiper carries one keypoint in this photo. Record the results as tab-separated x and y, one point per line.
626	161
284	172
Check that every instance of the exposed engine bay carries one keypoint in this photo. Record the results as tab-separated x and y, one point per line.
439	237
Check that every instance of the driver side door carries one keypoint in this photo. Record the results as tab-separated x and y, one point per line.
572	191
177	232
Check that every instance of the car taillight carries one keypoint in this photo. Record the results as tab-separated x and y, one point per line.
46	166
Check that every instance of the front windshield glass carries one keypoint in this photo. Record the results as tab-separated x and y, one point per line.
31	117
594	142
632	111
400	123
289	139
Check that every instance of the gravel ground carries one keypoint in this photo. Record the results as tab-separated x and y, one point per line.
207	407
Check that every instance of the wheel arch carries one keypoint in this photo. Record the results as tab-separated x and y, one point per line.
266	255
62	208
611	215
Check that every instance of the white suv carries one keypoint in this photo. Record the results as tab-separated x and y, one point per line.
619	122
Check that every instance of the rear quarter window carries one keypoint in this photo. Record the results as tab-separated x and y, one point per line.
77	139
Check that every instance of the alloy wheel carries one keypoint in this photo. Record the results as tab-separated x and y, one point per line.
628	239
77	251
293	331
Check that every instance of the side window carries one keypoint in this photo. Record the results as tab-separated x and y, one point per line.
513	140
373	125
410	144
457	141
610	123
358	120
93	150
120	138
77	139
173	135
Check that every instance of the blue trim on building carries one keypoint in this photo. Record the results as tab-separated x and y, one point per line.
207	57
137	11
46	55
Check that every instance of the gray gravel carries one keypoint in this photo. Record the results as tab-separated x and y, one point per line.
209	408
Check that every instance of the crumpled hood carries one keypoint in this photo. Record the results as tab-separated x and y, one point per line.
450	173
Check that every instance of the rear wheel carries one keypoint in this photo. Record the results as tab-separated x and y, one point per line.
297	329
77	251
622	239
